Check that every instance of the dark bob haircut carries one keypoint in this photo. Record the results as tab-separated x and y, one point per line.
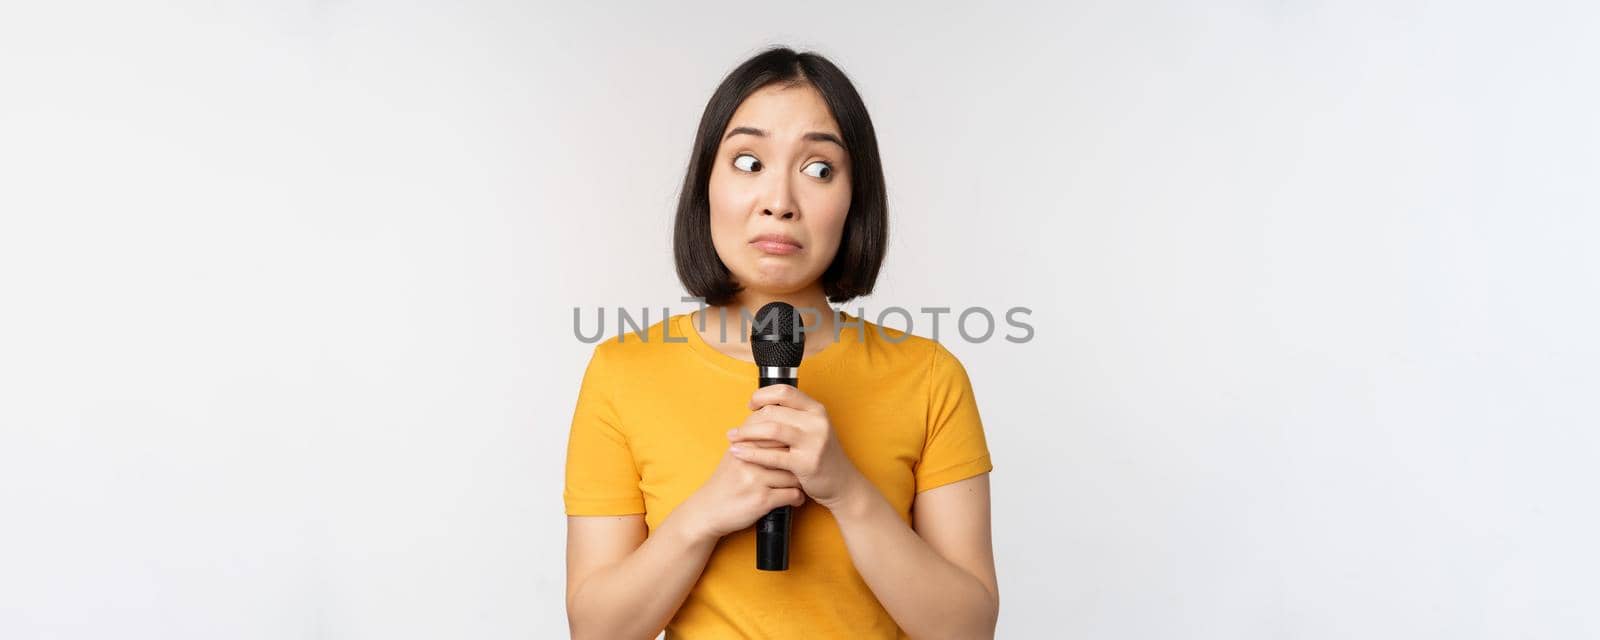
866	228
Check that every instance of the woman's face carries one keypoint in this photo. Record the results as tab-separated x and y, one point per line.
780	190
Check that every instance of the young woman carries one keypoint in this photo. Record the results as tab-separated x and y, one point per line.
674	453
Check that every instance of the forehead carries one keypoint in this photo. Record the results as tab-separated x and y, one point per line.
786	111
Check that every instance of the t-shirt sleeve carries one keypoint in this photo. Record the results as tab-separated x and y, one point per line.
955	448
601	477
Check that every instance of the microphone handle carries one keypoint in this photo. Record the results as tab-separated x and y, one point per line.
772	530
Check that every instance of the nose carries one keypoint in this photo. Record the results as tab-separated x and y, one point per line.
780	202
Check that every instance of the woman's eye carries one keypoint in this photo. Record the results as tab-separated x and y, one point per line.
746	162
822	170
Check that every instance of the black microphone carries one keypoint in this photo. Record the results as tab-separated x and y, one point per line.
777	345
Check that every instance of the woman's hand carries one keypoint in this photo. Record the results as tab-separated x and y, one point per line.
737	494
789	418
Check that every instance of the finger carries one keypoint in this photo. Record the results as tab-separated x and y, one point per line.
753	418
778	479
769	458
791	497
785	415
783	394
789	435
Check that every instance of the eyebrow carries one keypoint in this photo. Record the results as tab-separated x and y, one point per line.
819	136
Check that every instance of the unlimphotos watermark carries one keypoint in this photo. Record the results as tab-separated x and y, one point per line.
807	318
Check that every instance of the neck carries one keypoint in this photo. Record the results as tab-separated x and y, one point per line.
810	304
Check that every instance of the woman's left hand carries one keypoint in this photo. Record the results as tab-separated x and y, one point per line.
785	415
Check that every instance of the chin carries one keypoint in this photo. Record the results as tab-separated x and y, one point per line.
775	283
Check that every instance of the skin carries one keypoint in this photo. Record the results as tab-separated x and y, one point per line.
772	183
936	577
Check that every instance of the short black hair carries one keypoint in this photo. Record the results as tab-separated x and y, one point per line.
854	269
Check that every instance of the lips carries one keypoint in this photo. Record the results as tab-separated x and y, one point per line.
776	243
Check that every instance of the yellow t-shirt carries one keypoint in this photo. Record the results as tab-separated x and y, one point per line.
651	423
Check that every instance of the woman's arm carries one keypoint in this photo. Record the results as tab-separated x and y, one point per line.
621	584
937	581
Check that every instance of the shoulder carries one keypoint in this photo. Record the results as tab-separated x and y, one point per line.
620	351
626	340
911	352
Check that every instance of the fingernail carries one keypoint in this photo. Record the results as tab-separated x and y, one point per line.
734	449
733	431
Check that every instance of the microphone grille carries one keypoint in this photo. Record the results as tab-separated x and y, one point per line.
775	340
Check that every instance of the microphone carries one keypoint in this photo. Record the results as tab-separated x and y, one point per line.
777	346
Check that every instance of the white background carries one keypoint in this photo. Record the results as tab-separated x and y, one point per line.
286	346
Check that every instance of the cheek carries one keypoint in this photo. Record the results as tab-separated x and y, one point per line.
828	213
726	211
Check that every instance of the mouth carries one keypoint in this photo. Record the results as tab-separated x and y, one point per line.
776	244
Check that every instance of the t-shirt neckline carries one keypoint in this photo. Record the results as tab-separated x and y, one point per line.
817	362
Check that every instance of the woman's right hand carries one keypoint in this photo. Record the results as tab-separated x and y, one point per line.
737	494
